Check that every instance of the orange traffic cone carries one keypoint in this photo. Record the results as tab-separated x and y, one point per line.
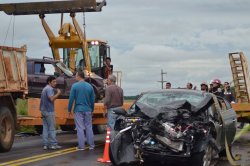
105	158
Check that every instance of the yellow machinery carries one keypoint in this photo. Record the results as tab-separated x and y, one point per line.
77	51
71	41
239	67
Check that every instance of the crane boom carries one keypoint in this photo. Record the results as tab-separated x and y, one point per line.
51	7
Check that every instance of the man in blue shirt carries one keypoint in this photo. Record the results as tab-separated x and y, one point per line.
48	97
83	96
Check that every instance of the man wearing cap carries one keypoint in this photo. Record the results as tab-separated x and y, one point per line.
216	88
204	87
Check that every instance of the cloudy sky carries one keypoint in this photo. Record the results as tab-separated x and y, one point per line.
190	40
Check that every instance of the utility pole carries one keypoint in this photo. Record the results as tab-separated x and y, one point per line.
162	80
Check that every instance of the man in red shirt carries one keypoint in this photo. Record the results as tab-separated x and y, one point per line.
108	68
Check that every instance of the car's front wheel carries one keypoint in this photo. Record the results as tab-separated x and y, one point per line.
203	158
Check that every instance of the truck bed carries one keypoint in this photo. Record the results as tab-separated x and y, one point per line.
13	70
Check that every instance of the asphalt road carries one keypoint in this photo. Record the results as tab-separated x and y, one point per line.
27	150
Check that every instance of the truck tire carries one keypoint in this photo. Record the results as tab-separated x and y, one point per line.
7	129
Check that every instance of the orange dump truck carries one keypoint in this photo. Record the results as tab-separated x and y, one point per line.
13	84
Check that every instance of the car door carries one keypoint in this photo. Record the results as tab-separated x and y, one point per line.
229	119
215	118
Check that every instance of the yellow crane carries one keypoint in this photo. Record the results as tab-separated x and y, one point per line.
71	39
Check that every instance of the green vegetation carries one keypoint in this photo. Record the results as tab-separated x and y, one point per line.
22	107
26	129
131	97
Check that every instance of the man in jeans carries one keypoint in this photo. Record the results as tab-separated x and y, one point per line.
48	97
83	96
113	100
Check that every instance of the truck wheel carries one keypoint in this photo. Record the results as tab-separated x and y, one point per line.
6	129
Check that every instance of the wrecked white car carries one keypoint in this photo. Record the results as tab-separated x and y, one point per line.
173	126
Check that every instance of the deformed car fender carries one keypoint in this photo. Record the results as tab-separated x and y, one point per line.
121	150
202	145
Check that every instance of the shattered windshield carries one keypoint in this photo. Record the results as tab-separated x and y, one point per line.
65	70
162	98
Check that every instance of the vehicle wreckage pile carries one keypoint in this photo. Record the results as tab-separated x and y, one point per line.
177	130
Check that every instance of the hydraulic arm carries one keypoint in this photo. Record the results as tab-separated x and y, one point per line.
70	37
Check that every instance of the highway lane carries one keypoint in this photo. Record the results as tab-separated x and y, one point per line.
28	151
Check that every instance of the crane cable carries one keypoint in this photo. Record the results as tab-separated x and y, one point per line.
84	24
86	43
13	31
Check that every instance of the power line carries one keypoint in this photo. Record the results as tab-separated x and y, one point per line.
162	80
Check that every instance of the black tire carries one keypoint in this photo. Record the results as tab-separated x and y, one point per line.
203	158
39	129
7	129
67	127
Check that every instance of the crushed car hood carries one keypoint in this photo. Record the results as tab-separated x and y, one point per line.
153	112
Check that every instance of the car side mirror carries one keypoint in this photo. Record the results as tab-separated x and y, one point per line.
56	74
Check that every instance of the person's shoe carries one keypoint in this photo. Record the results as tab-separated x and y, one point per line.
45	147
55	147
91	148
78	148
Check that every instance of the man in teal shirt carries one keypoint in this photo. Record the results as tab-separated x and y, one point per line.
83	96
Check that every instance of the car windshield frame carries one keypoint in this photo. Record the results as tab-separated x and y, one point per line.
155	99
64	69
